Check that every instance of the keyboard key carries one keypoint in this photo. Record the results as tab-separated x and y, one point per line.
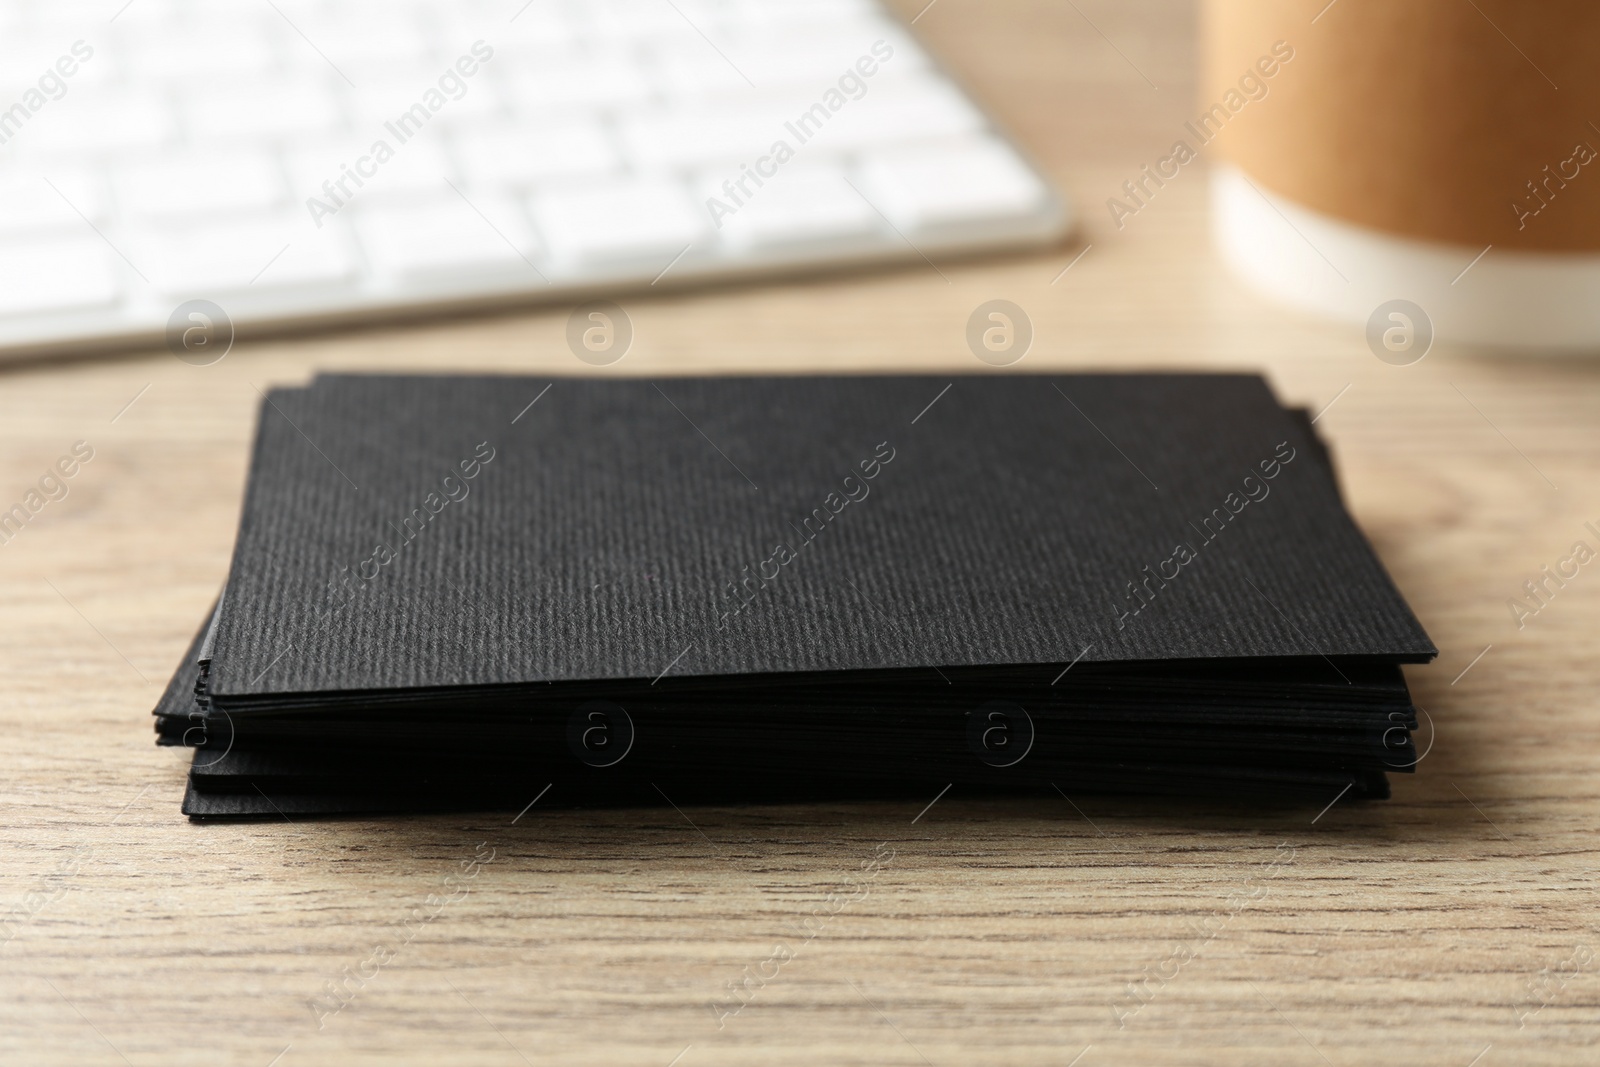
311	259
355	42
894	111
28	201
815	57
99	121
301	107
540	29
621	19
768	12
417	167
261	254
521	155
795	207
57	44
349	58
196	183
705	132
556	81
394	98
449	239
73	274
145	12
190	46
690	68
639	223
30	51
972	181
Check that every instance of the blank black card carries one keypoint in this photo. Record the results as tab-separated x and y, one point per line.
422	556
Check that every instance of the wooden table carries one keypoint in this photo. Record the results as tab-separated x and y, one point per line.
1456	918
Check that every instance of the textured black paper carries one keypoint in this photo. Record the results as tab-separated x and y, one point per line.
606	527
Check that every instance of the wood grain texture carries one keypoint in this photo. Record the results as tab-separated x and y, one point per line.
1422	931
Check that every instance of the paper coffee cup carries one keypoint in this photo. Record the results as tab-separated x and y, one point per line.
1442	152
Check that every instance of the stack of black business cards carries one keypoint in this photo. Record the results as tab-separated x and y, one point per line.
455	591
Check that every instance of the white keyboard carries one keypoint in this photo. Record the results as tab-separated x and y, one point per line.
296	161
